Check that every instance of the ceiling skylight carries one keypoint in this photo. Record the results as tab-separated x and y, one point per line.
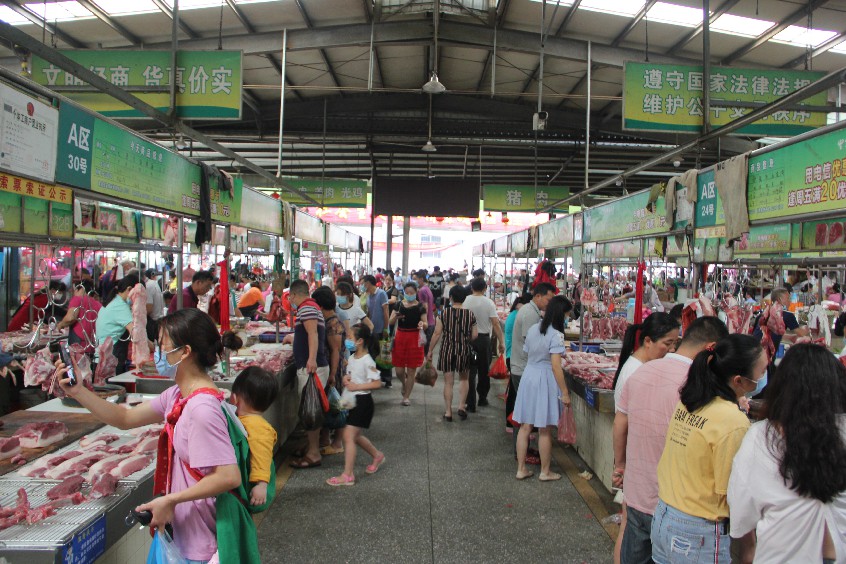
10	16
55	12
674	14
802	36
129	7
629	8
740	25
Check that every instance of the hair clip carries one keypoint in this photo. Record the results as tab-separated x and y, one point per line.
710	348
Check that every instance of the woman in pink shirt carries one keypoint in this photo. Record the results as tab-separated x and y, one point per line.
197	427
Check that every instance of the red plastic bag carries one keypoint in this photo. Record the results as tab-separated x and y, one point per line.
324	400
567	426
498	370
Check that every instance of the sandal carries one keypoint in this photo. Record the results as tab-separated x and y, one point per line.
329	450
462	414
342	480
406	402
447	418
303	463
377	462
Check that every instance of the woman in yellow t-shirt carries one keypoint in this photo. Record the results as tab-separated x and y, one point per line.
691	522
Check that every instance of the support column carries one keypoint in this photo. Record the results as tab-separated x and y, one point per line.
180	242
406	243
389	238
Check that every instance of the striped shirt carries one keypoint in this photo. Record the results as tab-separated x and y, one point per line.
308	311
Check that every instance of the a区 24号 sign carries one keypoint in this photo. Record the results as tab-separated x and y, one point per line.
209	83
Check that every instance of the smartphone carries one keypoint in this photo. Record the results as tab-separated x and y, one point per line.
64	354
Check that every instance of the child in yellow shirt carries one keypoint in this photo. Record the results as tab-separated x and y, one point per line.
253	391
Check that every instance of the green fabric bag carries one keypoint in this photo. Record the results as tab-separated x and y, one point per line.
236	532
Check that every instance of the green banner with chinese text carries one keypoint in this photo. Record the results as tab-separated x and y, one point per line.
509	197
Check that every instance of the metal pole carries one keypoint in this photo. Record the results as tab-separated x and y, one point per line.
587	119
706	66
406	243
180	238
372	235
370	67
282	100
493	66
174	45
389	237
540	63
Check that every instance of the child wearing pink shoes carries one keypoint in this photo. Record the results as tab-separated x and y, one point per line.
362	376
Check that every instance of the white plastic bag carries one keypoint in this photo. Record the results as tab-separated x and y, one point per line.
421	338
347	399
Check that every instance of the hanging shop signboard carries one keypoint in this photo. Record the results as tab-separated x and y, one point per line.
260	212
353	242
105	158
765	239
261	242
619	249
624	218
209	82
29	129
806	177
556	233
823	235
518	242
308	228
329	192
336	237
709	207
578	222
515	198
668	97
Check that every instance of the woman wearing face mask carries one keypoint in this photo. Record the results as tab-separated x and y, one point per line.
203	463
410	318
691	522
115	320
346	300
787	481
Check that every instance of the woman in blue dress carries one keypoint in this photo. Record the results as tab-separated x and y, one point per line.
542	387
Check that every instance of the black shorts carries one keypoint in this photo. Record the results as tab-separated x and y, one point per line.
362	414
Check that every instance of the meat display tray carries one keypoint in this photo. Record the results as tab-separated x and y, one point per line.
125	436
57	529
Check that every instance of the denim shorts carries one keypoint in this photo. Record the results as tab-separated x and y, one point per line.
637	546
679	537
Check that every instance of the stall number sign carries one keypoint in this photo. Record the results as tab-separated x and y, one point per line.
87	545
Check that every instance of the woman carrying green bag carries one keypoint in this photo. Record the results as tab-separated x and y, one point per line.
198	463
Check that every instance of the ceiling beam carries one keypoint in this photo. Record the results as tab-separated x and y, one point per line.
39	21
817	51
104	17
420	32
188	30
697	31
804	11
242	17
329	68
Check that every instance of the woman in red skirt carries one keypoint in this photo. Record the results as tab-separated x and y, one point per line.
407	357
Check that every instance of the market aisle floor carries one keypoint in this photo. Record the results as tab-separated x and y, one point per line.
446	493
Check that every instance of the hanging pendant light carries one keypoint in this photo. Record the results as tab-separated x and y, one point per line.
428	147
434	86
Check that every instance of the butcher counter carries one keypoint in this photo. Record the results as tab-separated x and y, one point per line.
593	409
92	530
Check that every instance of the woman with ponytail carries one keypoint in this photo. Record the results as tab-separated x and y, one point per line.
691	522
788	483
650	340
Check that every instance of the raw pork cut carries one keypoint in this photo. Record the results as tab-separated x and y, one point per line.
147	445
75	465
131	465
147	430
821	238
102	486
45	463
706	307
273	360
108	362
67	488
18	459
88	440
138	335
10	448
40	435
39	369
104	466
835	234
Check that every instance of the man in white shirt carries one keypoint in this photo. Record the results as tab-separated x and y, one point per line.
487	321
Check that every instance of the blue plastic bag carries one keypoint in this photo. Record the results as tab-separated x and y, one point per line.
336	418
164	551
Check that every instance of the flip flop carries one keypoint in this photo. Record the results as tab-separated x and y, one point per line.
373	468
342	480
329	450
551	477
303	463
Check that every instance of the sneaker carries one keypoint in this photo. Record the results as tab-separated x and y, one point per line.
387	383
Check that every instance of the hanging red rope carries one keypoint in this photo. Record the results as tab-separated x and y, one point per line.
638	312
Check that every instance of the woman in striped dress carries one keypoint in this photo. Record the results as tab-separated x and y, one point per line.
457	327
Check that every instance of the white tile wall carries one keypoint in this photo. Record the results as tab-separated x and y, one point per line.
131	549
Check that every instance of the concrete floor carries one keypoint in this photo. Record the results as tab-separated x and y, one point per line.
446	493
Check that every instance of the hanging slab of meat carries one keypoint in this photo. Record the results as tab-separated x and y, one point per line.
140	345
39	369
821	238
45	463
589	298
618	327
131	465
706	307
9	448
40	435
103	485
108	362
746	321
76	465
107	438
67	488
733	319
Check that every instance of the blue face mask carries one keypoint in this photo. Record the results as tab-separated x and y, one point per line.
362	288
759	386
349	344
294	307
164	367
410	297
342	300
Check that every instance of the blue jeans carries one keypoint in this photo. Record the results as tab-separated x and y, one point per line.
679	537
637	546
